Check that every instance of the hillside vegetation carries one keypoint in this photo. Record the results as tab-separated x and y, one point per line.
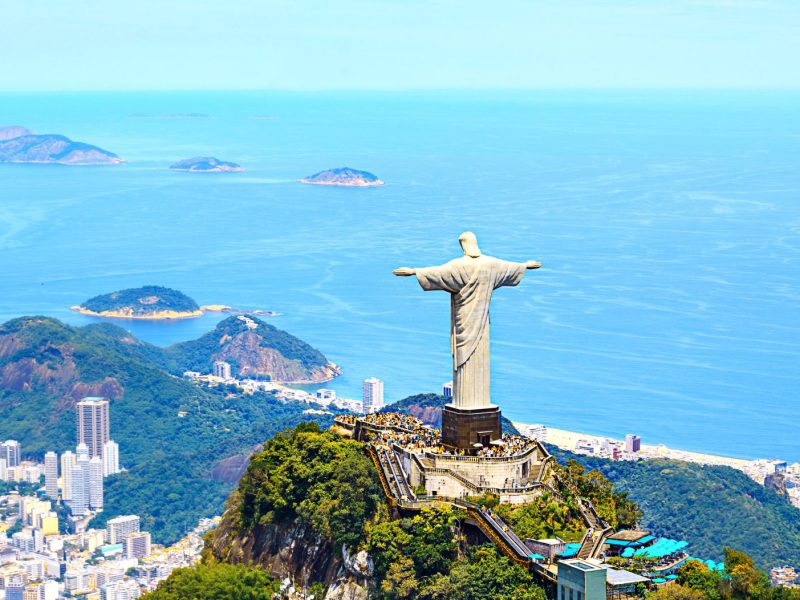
172	434
710	507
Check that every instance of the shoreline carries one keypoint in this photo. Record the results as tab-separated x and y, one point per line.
172	315
566	440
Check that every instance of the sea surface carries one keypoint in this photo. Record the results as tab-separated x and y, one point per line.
668	224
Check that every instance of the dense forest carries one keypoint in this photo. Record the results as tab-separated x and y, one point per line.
142	301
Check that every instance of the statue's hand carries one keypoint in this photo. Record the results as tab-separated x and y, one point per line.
404	271
533	264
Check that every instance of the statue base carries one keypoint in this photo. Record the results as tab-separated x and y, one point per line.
463	428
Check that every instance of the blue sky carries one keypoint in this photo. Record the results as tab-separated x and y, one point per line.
398	44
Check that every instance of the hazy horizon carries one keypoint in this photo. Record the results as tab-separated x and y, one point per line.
380	45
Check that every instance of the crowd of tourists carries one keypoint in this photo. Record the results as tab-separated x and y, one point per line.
412	434
509	445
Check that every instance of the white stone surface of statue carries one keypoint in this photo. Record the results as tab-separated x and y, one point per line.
470	280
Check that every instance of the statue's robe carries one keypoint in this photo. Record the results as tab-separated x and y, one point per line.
470	282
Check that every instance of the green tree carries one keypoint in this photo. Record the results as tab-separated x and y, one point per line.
218	581
676	592
697	576
400	580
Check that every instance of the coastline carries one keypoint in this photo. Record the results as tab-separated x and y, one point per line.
168	315
155	316
566	440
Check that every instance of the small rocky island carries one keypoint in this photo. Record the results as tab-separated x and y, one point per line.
343	176
206	164
20	145
148	302
154	302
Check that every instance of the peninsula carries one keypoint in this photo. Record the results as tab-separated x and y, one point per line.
344	176
20	145
206	164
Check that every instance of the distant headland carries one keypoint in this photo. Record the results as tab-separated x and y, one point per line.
153	302
344	176
206	164
20	145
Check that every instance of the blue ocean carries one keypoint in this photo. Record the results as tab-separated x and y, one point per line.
668	224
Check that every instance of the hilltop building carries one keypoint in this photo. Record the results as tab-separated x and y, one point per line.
372	395
93	424
221	369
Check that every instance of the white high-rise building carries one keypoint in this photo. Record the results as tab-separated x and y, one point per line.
126	589
110	458
67	462
82	452
372	395
447	390
633	443
93	424
78	487
96	482
11	452
222	369
51	475
137	545
3	469
119	528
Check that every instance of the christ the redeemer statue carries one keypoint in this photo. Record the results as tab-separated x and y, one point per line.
470	280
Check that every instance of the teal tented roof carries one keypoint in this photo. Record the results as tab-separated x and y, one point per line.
570	550
536	556
628	553
662	547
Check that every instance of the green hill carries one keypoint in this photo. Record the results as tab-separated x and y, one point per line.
254	349
172	434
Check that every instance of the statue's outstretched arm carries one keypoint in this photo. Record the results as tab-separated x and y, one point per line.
533	264
404	272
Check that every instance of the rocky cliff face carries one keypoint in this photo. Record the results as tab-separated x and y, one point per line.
293	551
254	349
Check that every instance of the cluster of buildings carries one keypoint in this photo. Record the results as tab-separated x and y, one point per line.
774	473
49	553
371	400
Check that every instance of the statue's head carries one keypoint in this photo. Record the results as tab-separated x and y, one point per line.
469	244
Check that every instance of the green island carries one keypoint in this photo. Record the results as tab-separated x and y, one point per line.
206	164
146	302
343	176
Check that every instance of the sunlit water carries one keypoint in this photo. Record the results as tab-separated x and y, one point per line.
669	226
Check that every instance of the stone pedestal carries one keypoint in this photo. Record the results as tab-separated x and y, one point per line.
461	428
